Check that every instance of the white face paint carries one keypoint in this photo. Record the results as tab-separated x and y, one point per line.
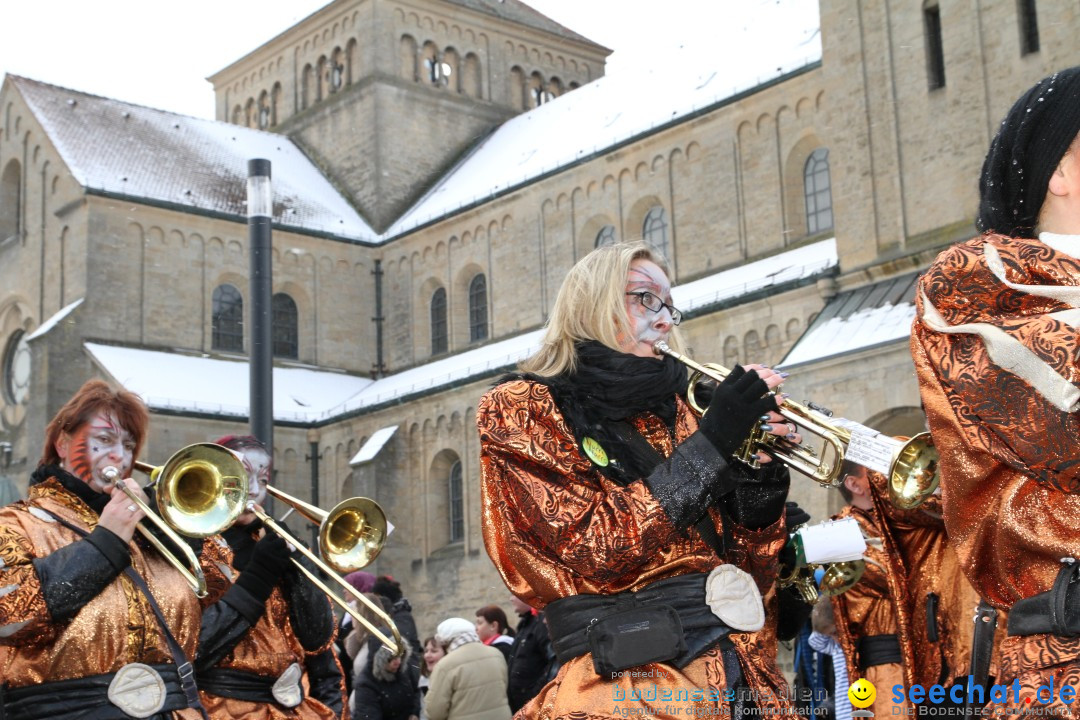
97	444
257	464
646	326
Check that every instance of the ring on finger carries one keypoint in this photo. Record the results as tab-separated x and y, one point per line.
791	426
132	508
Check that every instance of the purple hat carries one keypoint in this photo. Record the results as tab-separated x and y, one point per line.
362	581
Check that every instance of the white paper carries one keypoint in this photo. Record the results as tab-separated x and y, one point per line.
833	541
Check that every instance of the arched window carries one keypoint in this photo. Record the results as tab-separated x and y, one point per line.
308	83
654	231
606	236
228	319
275	103
478	314
265	112
439	337
1029	26
817	188
337	70
457	504
285	327
935	48
249	113
10	201
16	368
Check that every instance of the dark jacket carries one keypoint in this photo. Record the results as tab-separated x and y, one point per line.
531	661
382	695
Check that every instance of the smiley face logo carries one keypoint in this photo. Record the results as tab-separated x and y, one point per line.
862	693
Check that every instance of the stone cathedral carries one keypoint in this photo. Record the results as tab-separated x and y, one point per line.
438	165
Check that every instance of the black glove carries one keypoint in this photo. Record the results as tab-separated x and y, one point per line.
737	404
268	565
758	502
795	515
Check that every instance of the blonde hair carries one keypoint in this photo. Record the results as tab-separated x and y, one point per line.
591	305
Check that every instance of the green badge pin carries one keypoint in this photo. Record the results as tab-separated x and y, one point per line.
594	451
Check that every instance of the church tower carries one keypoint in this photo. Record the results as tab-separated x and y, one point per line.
385	95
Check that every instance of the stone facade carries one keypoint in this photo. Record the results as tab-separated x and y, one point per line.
353	85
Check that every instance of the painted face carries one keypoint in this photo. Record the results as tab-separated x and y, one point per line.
485	629
433	653
257	463
646	326
95	445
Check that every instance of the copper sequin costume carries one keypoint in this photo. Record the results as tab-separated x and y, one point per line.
555	526
996	348
267	650
113	629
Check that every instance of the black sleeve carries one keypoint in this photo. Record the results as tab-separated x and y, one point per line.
693	478
76	573
792	613
310	612
225	623
327	680
758	501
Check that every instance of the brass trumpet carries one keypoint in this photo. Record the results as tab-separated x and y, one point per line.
912	468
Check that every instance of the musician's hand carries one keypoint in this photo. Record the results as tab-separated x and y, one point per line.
739	402
121	515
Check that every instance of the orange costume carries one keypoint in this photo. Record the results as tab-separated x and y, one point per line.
115	627
912	588
996	348
868	612
271	650
556	527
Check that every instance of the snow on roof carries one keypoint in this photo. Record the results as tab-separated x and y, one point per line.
116	147
54	320
857	320
191	383
610	110
373	445
803	262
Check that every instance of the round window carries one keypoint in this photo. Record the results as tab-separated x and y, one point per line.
16	368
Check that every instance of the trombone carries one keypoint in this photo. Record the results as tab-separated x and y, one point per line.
912	469
203	487
202	490
351	535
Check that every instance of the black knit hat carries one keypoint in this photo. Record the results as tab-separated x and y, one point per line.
1027	149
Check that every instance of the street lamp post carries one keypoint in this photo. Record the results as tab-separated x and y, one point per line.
261	352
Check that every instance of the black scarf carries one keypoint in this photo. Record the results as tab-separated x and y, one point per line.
95	501
610	387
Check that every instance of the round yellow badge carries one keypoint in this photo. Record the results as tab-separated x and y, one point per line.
594	451
862	693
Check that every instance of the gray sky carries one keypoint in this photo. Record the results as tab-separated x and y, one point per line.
159	53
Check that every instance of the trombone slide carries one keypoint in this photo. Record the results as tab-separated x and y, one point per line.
192	572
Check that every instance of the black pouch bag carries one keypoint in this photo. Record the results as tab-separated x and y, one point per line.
635	636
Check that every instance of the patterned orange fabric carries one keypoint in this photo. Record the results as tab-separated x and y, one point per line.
554	526
1009	466
115	628
268	649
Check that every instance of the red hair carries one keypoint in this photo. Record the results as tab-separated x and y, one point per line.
96	396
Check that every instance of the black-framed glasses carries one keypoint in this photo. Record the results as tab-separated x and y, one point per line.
652	302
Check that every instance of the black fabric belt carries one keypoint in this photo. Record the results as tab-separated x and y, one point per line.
569	618
83	698
878	650
239	685
1054	611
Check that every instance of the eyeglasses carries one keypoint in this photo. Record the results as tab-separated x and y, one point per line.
651	302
